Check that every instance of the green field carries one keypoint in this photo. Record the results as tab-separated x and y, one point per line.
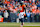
7	24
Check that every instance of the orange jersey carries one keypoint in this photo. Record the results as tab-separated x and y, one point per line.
38	11
33	10
22	8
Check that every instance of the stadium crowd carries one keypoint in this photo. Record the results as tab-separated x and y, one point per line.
10	10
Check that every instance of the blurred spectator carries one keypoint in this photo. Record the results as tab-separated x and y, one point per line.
28	16
6	16
1	13
37	15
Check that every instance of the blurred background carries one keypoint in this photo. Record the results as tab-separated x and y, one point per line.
9	10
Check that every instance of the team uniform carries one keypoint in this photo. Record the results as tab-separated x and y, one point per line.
21	14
